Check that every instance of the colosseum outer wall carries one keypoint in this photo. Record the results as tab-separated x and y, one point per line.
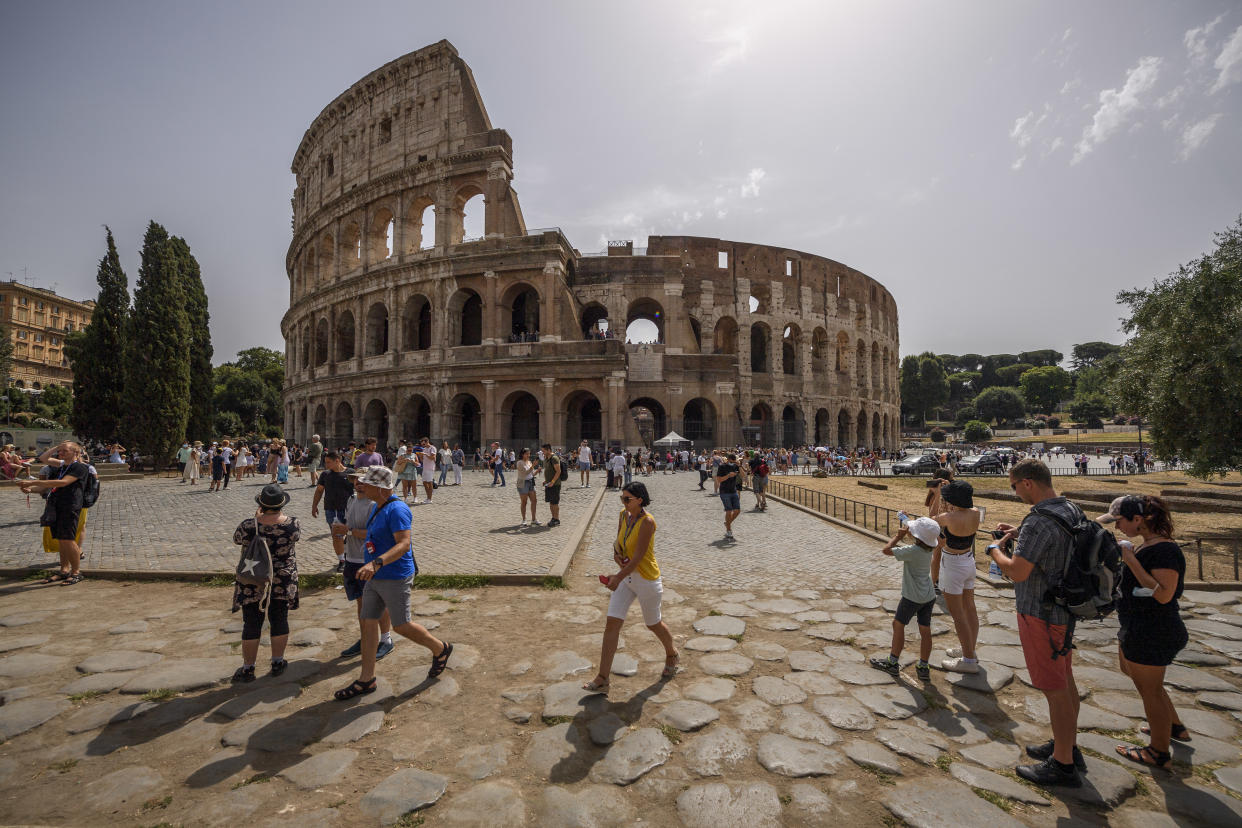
400	326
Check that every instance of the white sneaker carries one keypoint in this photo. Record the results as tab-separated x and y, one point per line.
535	523
525	524
960	665
954	652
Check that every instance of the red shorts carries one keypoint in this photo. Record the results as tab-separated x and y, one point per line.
1038	638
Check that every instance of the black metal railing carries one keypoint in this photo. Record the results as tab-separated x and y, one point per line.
865	515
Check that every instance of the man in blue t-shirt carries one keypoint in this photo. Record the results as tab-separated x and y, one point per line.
388	573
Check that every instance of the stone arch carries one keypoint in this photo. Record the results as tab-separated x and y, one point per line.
465	318
696	330
469	195
592	315
724	338
760	300
760	428
760	343
419	234
343	423
465	422
584	418
304	358
877	431
791	350
698	421
860	367
327	259
375	423
380	233
843	353
876	372
521	300
416	323
319	424
793	427
377	330
322	336
351	246
415	418
650	418
863	432
649	310
345	336
819	353
520	415
823	427
843	429
308	268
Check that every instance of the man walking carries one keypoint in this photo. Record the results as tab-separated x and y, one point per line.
314	458
584	466
334	489
726	482
498	464
553	473
1038	562
759	471
368	456
354	533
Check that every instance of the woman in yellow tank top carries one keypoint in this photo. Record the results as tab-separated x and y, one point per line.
634	552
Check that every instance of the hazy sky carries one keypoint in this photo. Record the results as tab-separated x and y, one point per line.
1003	168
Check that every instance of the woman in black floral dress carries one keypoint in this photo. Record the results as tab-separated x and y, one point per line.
281	532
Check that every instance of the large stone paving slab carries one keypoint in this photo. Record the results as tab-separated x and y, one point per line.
935	803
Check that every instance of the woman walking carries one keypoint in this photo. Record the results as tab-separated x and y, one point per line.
959	523
282	463
459	460
281	532
639	577
445	459
526	486
191	466
1152	632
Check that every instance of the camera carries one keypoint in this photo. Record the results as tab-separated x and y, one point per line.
997	535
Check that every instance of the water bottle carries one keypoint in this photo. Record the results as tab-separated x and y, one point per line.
995	570
903	519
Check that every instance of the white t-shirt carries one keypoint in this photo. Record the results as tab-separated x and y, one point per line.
584	454
227	454
618	463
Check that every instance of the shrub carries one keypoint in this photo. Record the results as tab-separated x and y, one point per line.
937	435
1054	422
976	431
44	422
1120	419
1094	422
965	414
1134	421
1035	424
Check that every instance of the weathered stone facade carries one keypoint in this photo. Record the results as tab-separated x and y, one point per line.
397	331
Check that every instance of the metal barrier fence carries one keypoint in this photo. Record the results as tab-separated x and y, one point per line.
866	515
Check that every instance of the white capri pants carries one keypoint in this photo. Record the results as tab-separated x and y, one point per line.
650	595
429	472
957	572
456	475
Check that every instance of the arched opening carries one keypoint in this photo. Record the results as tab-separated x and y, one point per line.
351	246
19	384
789	349
523	304
465	422
887	368
380	231
644	322
320	423
420	225
650	419
843	430
595	322
327	261
819	353
823	427
343	423
584	418
843	353
465	317
698	422
876	373
863	431
759	362
860	368
377	329
793	428
375	423
521	410
321	342
724	338
759	429
415	418
308	268
416	323
876	431
345	336
305	356
426	236
469	205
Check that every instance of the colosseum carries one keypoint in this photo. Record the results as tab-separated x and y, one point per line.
401	326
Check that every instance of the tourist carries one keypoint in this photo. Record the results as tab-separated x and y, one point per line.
217	469
584	465
704	469
759	472
526	470
726	483
368	456
226	453
282	462
1152	631
389	574
639	577
918	599
353	532
445	459
314	459
183	459
12	465
935	505
63	512
498	464
960	522
458	459
618	469
427	458
406	469
335	489
274	600
1040	554
553	475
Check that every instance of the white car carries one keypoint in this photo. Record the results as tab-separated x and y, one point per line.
1058	449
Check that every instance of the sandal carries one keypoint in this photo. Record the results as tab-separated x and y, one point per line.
278	666
54	577
1180	733
440	662
596	686
358	688
671	665
73	579
1145	755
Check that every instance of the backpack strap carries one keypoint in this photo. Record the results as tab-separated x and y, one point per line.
1067	643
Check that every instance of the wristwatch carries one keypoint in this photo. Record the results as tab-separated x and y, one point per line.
991	547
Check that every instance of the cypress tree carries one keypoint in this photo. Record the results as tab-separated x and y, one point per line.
156	364
98	384
200	424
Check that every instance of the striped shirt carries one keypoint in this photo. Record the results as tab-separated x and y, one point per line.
1046	545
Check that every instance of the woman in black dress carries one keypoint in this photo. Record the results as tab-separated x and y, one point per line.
282	533
1152	632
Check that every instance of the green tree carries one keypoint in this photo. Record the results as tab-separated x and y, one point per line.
976	431
964	415
249	387
1091	410
156	363
1040	359
1179	369
199	423
924	385
962	385
6	352
59	402
1090	379
98	380
1008	374
1091	354
999	404
1044	388
990	365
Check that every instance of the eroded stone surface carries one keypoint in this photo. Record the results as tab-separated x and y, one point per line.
794	757
352	724
497	803
843	713
181	674
568	699
710	644
722	625
816	684
714	752
907	743
871	755
261	701
995	783
591	805
711	690
800	723
687	715
24	665
892	702
936	802
27	714
783	606
565	663
321	769
607	729
738	805
764	650
808	660
409	789
725	664
127	786
551	750
630	758
777	691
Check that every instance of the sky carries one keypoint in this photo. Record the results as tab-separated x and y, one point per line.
1004	169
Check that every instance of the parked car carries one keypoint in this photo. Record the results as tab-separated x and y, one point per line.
920	464
1058	449
980	464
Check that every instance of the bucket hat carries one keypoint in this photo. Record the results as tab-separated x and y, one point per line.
381	477
925	530
958	493
272	497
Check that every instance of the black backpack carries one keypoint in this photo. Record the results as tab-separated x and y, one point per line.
1090	582
90	489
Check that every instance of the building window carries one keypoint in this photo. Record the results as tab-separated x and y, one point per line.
385	131
22	300
329	166
38	306
722	259
38	337
55	310
21	334
55	341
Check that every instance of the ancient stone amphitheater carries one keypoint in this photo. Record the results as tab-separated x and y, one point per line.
401	326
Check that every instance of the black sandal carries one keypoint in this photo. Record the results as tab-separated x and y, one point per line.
54	577
440	662
278	666
358	688
1146	755
1179	734
73	579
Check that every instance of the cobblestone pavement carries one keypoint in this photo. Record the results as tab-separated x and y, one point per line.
117	710
160	524
782	548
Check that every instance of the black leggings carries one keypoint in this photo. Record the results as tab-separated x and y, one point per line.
277	617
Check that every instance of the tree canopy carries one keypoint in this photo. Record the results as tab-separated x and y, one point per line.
924	385
198	319
1090	354
1044	388
246	392
98	379
998	404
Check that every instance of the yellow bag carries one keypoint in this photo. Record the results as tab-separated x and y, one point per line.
52	547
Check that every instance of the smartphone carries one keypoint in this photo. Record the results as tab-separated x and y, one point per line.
603	579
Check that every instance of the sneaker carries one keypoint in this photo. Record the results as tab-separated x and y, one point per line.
524	524
887	665
1044	751
728	535
278	666
923	670
554	522
535	523
244	674
954	652
352	650
1049	772
385	647
959	665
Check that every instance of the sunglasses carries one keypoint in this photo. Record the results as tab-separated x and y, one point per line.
627	498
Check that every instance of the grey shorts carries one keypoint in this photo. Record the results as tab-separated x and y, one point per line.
758	484
387	594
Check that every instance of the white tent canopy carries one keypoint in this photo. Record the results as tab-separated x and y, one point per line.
671	439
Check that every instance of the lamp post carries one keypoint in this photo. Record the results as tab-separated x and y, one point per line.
1139	458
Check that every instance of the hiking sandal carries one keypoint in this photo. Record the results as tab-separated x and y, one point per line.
358	688
440	662
1180	733
73	579
278	666
54	577
1145	755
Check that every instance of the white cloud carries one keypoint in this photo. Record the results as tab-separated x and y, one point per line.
1196	134
1017	165
1116	106
1169	98
1056	144
1229	62
730	47
751	188
1196	40
917	195
1019	132
1070	86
